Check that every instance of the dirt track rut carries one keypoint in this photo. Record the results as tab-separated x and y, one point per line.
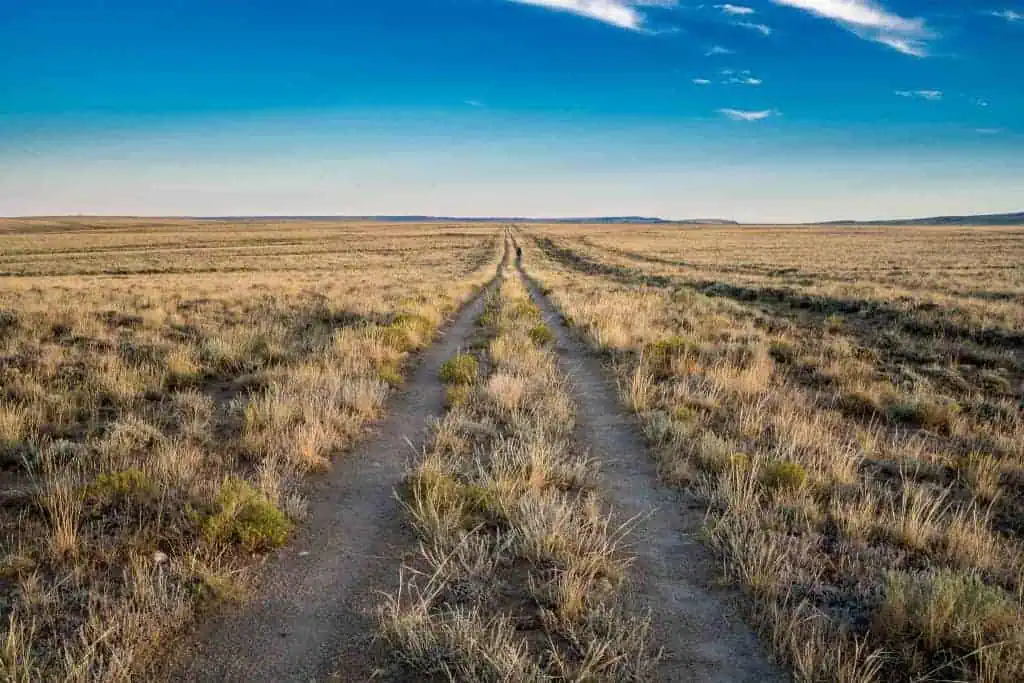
704	636
311	620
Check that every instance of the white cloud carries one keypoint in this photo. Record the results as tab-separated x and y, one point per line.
701	81
738	10
761	28
1008	14
474	103
718	50
621	13
931	95
870	20
742	115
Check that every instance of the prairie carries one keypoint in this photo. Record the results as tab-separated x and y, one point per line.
846	404
165	387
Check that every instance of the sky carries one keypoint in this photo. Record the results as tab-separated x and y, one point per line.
756	110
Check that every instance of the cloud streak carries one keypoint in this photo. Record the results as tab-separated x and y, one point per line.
743	115
763	29
737	10
930	95
621	13
871	21
1008	14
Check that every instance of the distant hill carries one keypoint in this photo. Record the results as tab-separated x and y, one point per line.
459	219
979	219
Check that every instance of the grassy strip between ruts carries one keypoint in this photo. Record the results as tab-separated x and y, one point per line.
520	574
872	549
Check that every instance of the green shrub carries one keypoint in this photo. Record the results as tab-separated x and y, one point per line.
127	485
457	394
717	463
245	516
541	335
521	308
436	490
389	373
459	369
686	414
782	475
408	332
937	415
944	610
660	354
783	351
863	404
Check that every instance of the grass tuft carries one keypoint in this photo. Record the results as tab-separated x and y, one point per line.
460	369
246	517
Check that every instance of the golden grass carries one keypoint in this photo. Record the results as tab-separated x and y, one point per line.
847	403
165	387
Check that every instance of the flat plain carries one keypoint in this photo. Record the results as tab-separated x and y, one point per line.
629	454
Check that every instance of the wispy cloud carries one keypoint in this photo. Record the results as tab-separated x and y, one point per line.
743	115
718	50
988	131
743	77
737	10
621	13
701	81
1008	15
930	95
764	29
870	20
474	103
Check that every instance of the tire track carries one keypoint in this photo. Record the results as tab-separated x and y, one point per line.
702	631
312	617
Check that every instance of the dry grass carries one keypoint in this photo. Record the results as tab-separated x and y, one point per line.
520	571
848	404
165	387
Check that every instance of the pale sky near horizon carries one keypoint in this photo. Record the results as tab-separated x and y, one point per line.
759	110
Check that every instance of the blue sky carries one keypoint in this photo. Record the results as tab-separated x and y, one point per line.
781	110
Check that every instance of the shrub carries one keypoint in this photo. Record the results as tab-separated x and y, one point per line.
408	332
660	355
541	335
782	475
245	516
457	394
437	491
783	350
944	610
937	415
388	373
517	309
460	369
863	403
131	484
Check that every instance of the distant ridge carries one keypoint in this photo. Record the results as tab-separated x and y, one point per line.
1016	218
978	219
461	219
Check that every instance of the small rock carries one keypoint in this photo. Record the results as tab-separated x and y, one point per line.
160	558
